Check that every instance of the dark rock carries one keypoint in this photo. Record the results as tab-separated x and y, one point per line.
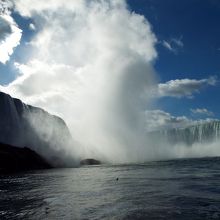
16	159
90	162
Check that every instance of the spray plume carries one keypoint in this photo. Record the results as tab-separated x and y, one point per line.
91	65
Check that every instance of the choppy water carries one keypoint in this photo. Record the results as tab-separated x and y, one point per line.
178	189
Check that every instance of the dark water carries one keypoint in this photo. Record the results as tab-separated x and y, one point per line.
178	189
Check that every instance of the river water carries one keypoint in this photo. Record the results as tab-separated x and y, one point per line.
176	189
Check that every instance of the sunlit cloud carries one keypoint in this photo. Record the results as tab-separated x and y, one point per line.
202	111
10	33
160	120
184	87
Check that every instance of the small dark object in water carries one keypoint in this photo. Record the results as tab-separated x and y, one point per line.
116	179
90	162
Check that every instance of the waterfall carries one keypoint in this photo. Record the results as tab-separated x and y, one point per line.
200	133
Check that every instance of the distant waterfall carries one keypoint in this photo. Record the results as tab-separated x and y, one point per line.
205	132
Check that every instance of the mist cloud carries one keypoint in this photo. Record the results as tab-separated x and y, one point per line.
91	65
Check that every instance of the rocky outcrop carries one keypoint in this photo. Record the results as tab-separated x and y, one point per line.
16	159
90	161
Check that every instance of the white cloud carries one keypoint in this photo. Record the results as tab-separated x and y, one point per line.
184	87
5	6
32	27
202	111
178	42
91	65
10	33
167	45
173	45
159	120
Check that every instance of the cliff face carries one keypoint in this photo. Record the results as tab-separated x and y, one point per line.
24	125
201	133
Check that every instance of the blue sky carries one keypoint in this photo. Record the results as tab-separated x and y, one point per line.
7	71
188	48
196	24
